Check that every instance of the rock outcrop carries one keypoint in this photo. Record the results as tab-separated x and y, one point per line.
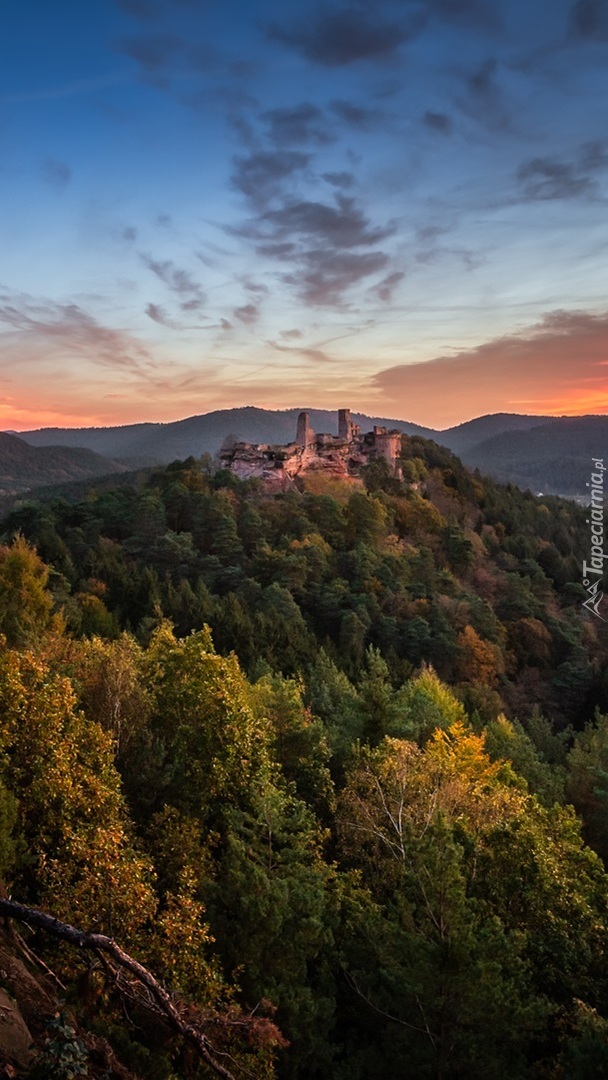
340	455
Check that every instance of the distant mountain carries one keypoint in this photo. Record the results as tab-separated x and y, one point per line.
159	444
554	457
464	436
23	467
543	453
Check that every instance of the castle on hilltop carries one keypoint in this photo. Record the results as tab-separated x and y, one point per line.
340	455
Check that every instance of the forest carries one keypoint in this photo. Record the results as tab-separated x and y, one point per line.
332	765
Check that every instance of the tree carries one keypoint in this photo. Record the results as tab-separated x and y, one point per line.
71	813
25	600
587	783
446	986
210	743
424	704
137	983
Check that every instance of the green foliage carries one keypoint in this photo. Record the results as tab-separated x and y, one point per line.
588	781
25	600
422	705
64	1056
272	743
272	903
506	739
71	813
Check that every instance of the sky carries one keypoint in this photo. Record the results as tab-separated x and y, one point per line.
397	206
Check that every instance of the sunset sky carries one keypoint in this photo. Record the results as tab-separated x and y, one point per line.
395	206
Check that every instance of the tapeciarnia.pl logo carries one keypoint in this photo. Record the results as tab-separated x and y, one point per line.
593	571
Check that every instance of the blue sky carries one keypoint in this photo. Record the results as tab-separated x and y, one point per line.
397	206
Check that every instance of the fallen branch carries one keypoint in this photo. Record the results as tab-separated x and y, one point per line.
101	944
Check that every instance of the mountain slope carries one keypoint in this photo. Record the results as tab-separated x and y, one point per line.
555	457
472	432
159	444
23	467
550	454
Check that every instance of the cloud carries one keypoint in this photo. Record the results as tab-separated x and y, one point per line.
385	289
326	274
179	282
262	174
548	178
555	367
357	116
343	225
339	179
318	240
485	101
594	155
336	38
153	52
157	314
318	356
438	122
302	123
247	314
56	173
256	288
315	236
545	178
47	330
477	14
589	20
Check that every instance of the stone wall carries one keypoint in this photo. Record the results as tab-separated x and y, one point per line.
341	455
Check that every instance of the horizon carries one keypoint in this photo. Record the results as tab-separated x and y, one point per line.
298	409
243	202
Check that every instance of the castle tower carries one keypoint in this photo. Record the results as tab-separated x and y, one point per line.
305	436
345	425
387	444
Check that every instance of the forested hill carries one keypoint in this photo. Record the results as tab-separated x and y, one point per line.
159	444
446	569
542	453
23	467
312	759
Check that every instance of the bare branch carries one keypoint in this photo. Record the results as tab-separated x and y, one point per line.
99	943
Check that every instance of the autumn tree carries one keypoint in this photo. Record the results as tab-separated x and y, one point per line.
25	599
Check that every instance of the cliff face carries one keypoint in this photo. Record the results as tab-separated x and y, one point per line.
340	455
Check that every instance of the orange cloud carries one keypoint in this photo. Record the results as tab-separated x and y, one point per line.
557	367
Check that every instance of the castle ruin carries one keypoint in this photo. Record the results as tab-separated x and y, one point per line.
340	455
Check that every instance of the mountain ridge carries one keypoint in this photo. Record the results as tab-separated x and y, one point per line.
501	444
23	466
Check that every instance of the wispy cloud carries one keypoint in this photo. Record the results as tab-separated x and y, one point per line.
557	366
317	355
589	20
44	329
247	314
544	178
346	35
178	281
303	123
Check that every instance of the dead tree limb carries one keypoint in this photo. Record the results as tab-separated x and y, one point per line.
101	944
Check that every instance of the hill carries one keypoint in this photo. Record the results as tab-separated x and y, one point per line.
378	700
542	453
553	457
23	467
474	432
159	444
